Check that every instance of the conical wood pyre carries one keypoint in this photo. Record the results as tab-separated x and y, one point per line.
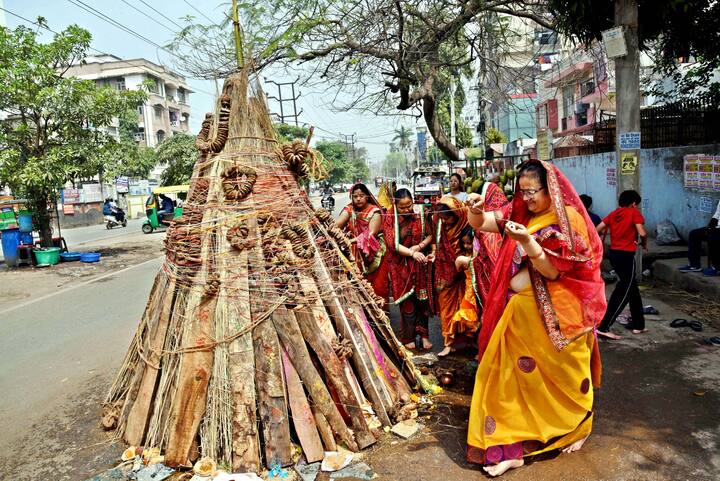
259	331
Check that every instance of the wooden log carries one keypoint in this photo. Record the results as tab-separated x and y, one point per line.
269	382
190	399
335	374
289	333
361	357
302	416
315	305
245	440
139	415
325	430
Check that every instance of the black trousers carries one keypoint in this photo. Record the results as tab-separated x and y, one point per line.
695	240
626	291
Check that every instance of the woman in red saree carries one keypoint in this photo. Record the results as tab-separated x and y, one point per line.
363	219
449	281
538	353
408	237
487	244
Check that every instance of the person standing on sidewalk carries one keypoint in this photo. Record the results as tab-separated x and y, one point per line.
711	234
625	225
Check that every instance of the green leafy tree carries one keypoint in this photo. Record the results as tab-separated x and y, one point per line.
395	163
494	136
336	160
288	133
178	155
670	29
54	133
403	137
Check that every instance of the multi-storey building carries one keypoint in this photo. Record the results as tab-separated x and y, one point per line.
167	108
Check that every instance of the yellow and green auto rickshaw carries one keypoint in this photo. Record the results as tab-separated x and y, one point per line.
164	205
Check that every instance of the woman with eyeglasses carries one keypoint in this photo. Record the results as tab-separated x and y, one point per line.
451	220
539	359
408	235
363	220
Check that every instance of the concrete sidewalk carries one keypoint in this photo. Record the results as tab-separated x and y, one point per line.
667	270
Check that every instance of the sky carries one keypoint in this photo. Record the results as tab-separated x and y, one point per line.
372	132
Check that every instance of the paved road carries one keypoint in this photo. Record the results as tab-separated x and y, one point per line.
56	345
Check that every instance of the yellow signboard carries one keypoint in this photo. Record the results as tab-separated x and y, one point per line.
628	163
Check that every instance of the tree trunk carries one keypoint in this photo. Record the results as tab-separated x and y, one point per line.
436	130
41	213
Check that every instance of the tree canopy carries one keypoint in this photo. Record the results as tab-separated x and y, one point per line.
54	132
670	29
178	155
341	167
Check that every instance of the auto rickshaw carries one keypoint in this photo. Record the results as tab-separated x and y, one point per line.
162	220
428	185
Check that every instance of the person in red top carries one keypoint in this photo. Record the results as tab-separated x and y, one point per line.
625	224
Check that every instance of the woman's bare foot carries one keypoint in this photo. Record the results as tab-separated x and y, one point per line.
575	446
410	345
609	335
446	351
502	466
427	345
639	331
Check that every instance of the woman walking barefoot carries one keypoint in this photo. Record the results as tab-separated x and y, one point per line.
451	219
409	241
538	353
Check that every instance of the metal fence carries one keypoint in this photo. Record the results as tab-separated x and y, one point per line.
693	121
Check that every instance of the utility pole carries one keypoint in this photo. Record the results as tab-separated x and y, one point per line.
282	116
627	101
627	81
453	138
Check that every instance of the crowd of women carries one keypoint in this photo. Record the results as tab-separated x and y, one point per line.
518	280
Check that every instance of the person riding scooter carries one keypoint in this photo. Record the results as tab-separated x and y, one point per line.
112	209
328	201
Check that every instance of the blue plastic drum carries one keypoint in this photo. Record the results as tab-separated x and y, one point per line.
10	242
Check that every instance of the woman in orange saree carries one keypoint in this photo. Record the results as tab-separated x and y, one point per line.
451	218
538	353
363	220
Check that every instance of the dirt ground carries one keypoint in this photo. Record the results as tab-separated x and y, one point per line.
25	283
656	419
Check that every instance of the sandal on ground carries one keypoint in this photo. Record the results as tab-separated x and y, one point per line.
639	331
676	323
696	326
713	341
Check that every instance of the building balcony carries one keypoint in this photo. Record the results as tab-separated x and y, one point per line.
570	74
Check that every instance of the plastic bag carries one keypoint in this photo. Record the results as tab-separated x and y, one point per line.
666	234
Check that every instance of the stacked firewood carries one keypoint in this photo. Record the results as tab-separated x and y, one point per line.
258	321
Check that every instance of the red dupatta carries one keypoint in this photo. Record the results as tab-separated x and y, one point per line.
576	257
449	244
487	246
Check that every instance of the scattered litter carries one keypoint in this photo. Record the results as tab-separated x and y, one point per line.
129	454
225	476
429	384
428	359
336	460
356	471
156	472
406	429
386	429
699	393
408	411
205	467
307	472
277	471
118	473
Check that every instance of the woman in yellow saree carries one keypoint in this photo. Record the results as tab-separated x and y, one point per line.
538	353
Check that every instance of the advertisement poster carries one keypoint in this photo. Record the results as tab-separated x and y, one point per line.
611	176
544	144
71	196
629	140
691	168
716	177
628	163
706	205
92	193
706	164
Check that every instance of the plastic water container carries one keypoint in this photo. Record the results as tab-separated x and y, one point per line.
49	256
26	238
25	222
10	242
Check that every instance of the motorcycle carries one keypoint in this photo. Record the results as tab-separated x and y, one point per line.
328	202
111	221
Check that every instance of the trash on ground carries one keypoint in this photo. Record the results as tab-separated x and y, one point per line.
408	411
650	309
307	472
336	460
428	359
225	476
356	471
699	393
118	473
156	472
406	429
205	467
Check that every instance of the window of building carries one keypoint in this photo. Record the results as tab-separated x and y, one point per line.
153	85
160	136
140	109
120	83
181	96
158	111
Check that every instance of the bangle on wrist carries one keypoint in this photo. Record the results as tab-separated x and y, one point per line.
536	256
